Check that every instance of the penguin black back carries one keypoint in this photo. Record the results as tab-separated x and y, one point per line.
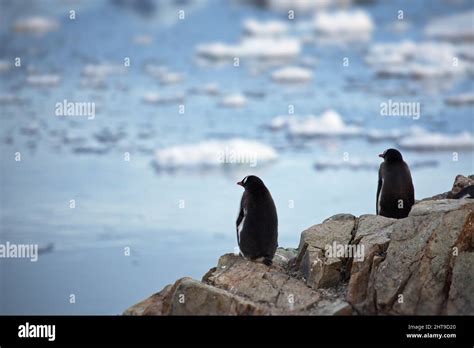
257	222
395	192
468	192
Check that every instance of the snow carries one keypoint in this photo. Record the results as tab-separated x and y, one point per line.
214	153
292	75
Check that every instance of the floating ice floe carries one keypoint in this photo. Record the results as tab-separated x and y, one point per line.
292	74
375	135
144	40
427	141
269	28
6	99
103	70
309	61
301	7
278	122
262	48
108	136
170	77
364	164
344	25
236	100
73	138
46	80
155	70
163	74
415	60
91	148
214	154
209	88
460	99
458	27
330	123
30	129
36	25
157	98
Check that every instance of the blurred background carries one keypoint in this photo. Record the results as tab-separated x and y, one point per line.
186	98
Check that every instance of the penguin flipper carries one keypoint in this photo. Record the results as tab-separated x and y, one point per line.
239	218
379	187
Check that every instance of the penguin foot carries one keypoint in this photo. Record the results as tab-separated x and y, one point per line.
267	262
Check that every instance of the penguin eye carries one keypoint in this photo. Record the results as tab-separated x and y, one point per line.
245	180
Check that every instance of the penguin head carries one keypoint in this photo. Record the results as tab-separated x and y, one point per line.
391	155
251	183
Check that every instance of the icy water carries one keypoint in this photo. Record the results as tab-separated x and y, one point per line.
177	223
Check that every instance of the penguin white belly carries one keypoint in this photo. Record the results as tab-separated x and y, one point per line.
241	225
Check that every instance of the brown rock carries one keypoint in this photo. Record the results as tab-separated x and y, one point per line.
319	270
413	278
373	235
461	292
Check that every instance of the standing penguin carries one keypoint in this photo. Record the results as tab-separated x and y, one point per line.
395	192
257	223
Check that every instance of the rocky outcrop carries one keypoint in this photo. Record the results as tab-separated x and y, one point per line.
460	182
346	265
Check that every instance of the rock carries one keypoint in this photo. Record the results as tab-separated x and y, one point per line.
460	182
373	233
240	287
319	270
419	265
192	297
461	300
413	279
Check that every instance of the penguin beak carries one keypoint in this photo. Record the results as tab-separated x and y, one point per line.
240	183
381	155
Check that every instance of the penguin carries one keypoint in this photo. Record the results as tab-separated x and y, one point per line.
257	222
395	192
467	192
